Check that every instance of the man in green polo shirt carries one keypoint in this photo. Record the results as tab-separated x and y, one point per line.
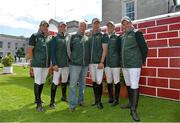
79	61
112	69
60	62
98	47
39	53
133	53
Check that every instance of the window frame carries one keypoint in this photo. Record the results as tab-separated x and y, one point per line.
124	13
1	45
9	45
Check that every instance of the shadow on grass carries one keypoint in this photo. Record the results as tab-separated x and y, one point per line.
27	113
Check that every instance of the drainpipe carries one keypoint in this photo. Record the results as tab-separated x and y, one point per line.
168	7
173	7
175	2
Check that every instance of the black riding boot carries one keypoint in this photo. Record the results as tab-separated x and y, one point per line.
134	104
95	93
41	88
99	95
110	92
117	91
53	94
37	91
63	88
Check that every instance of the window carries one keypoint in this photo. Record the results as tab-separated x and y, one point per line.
129	8
16	45
1	44
9	45
24	45
1	54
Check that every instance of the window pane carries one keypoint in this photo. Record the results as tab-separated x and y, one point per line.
9	45
1	54
1	44
16	45
127	7
132	16
130	9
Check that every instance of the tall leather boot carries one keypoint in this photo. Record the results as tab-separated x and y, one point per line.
53	94
110	92
63	89
127	106
95	93
37	91
117	91
134	104
99	95
41	88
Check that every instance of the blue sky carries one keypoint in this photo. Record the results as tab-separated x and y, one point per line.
22	17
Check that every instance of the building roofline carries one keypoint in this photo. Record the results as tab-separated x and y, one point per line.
53	20
12	36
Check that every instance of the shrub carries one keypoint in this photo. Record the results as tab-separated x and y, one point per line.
7	60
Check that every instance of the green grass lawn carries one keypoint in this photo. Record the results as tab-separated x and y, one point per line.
16	105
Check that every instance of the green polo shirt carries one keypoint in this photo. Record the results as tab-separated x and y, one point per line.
96	39
134	49
80	50
59	54
41	45
114	48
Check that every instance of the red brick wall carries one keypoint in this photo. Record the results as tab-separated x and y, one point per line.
160	76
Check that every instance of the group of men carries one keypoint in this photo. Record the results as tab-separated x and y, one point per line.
100	52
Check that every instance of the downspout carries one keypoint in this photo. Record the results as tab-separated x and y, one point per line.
169	7
175	2
173	7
